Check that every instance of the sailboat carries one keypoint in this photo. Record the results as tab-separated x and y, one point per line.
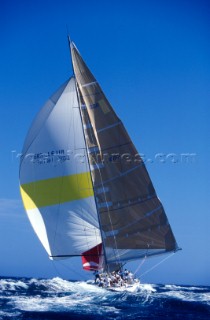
84	186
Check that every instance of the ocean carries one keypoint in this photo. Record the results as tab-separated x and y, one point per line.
48	299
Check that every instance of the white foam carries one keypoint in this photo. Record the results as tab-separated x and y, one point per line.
48	303
54	285
185	294
86	302
188	288
9	314
147	287
74	295
13	285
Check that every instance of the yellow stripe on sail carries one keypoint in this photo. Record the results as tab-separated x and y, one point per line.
56	190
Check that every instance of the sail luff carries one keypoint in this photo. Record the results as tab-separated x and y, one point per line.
80	111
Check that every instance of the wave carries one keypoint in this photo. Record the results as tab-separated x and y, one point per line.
41	296
187	288
188	293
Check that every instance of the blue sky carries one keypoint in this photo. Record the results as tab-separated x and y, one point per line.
152	59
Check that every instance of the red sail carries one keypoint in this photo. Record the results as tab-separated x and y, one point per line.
93	259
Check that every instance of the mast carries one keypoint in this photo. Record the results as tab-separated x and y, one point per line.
80	112
69	43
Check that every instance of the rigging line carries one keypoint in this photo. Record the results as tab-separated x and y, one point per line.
56	269
87	170
76	255
77	165
88	153
70	51
125	193
86	145
68	268
115	254
80	96
156	265
85	228
142	262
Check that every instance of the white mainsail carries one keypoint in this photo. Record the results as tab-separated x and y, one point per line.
85	191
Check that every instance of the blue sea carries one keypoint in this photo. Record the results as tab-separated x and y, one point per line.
48	299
